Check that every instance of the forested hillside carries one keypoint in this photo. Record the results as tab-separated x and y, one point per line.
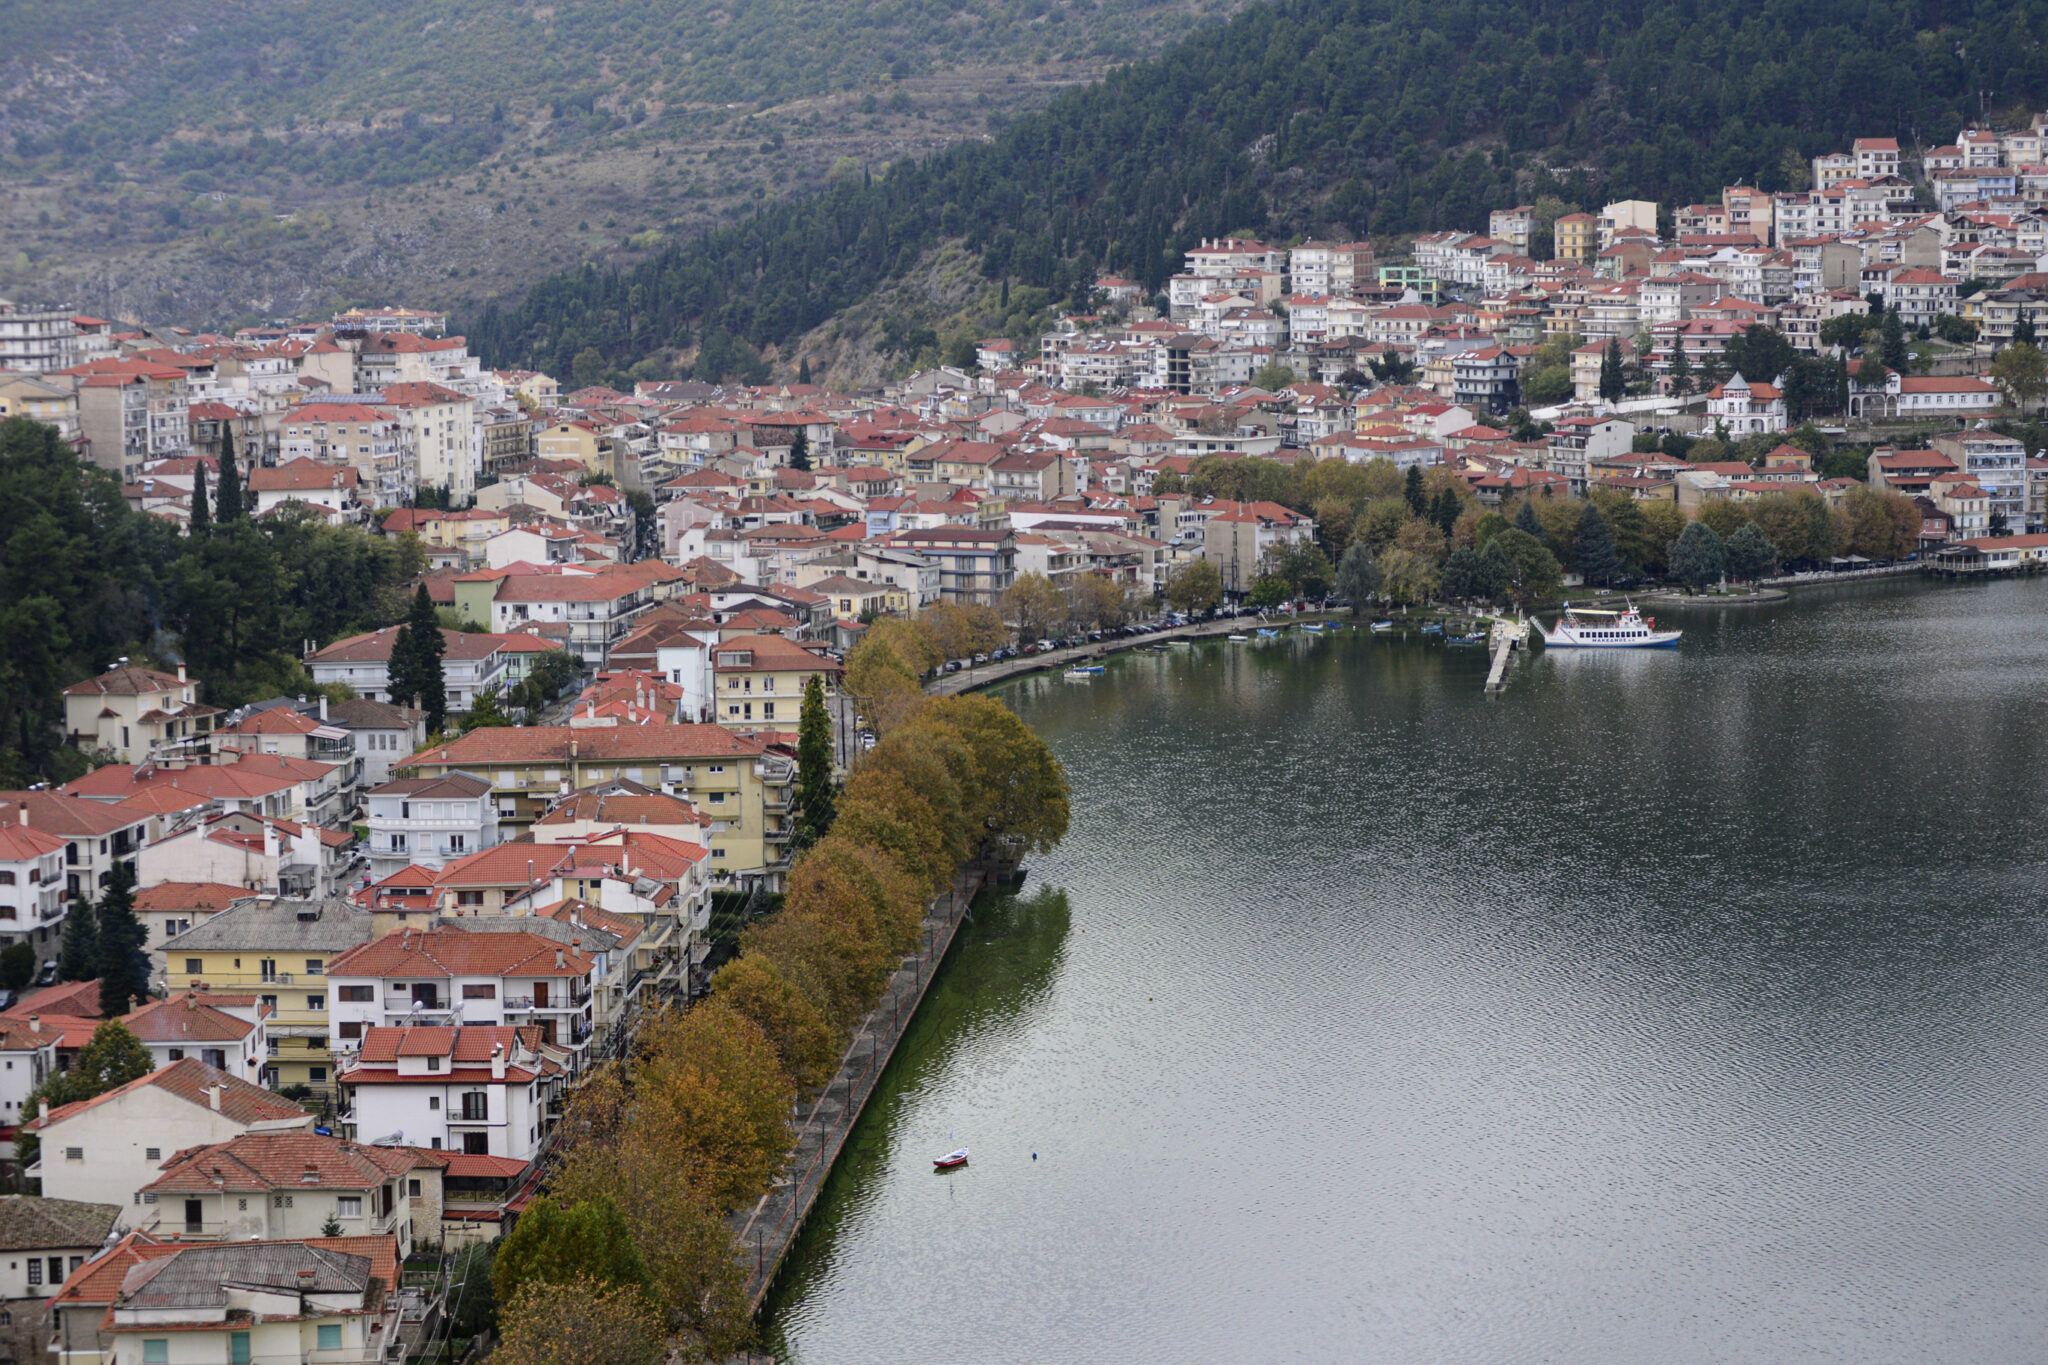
1313	116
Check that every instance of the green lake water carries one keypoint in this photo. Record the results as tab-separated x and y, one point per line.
1672	1006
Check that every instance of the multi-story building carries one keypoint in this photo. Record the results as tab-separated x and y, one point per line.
732	778
1746	409
598	609
1877	156
760	681
1995	463
131	712
52	402
443	431
475	1089
471	664
31	886
368	438
277	950
37	340
131	412
1236	536
315	483
429	821
270	1186
975	566
97	835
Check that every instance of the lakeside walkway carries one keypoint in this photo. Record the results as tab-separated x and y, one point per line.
768	1228
967	679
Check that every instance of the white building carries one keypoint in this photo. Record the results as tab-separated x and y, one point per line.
266	1186
470	665
1746	409
31	883
42	1241
110	1146
224	1031
457	977
429	821
474	1089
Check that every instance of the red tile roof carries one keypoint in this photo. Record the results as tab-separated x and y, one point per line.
189	1080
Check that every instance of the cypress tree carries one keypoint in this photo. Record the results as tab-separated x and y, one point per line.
1598	560
1527	520
803	370
202	516
414	672
800	452
79	958
813	766
227	507
1612	385
124	966
1418	503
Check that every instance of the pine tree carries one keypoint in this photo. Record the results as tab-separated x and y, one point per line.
1750	552
800	452
415	672
1697	556
79	958
1893	349
2023	330
202	515
1527	520
227	507
813	766
803	370
124	966
1418	502
1597	559
1681	368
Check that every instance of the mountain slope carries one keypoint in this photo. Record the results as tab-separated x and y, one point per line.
1358	116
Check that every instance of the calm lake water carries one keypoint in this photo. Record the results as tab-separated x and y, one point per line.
1669	1007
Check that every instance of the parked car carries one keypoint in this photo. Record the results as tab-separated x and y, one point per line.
980	659
952	666
48	975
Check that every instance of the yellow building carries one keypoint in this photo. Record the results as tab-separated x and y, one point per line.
1574	237
578	440
759	681
278	950
745	790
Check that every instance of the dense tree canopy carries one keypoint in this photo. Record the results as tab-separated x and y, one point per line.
1328	118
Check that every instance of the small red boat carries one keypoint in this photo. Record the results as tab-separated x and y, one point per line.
951	1161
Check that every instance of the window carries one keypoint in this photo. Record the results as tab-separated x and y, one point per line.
74	1153
433	1102
316	967
412	1189
768	710
327	1337
153	1153
75	1262
268	968
348	1206
352	1031
469	898
361	995
156	1350
475	1107
56	1270
280	1201
35	1270
6	879
316	1002
316	1074
433	1063
269	1002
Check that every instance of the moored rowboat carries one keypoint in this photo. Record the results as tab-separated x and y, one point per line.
950	1161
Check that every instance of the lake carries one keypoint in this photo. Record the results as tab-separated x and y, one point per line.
1674	1006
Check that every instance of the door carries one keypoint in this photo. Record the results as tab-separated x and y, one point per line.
540	995
476	1144
423	996
238	1348
194	1215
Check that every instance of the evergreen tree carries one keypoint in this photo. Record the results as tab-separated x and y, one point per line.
1597	559
803	370
1527	520
1462	573
1697	556
111	1058
1495	573
1612	385
79	958
202	515
813	766
1418	502
1892	350
227	507
1358	575
17	966
415	672
1680	371
1445	510
800	452
2023	330
124	965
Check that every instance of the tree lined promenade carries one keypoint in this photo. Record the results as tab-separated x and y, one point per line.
695	1122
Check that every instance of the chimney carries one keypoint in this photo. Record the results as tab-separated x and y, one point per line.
24	815
561	960
323	706
497	1061
181	672
43	1110
213	1097
35	1023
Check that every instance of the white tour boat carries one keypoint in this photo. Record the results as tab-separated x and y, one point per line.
1584	628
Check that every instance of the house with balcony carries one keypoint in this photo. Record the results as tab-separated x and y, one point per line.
759	681
474	1089
1996	464
32	897
96	835
1746	409
456	976
429	821
273	1186
333	488
471	664
976	566
278	951
133	712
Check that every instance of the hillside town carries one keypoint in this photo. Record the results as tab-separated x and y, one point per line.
383	950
